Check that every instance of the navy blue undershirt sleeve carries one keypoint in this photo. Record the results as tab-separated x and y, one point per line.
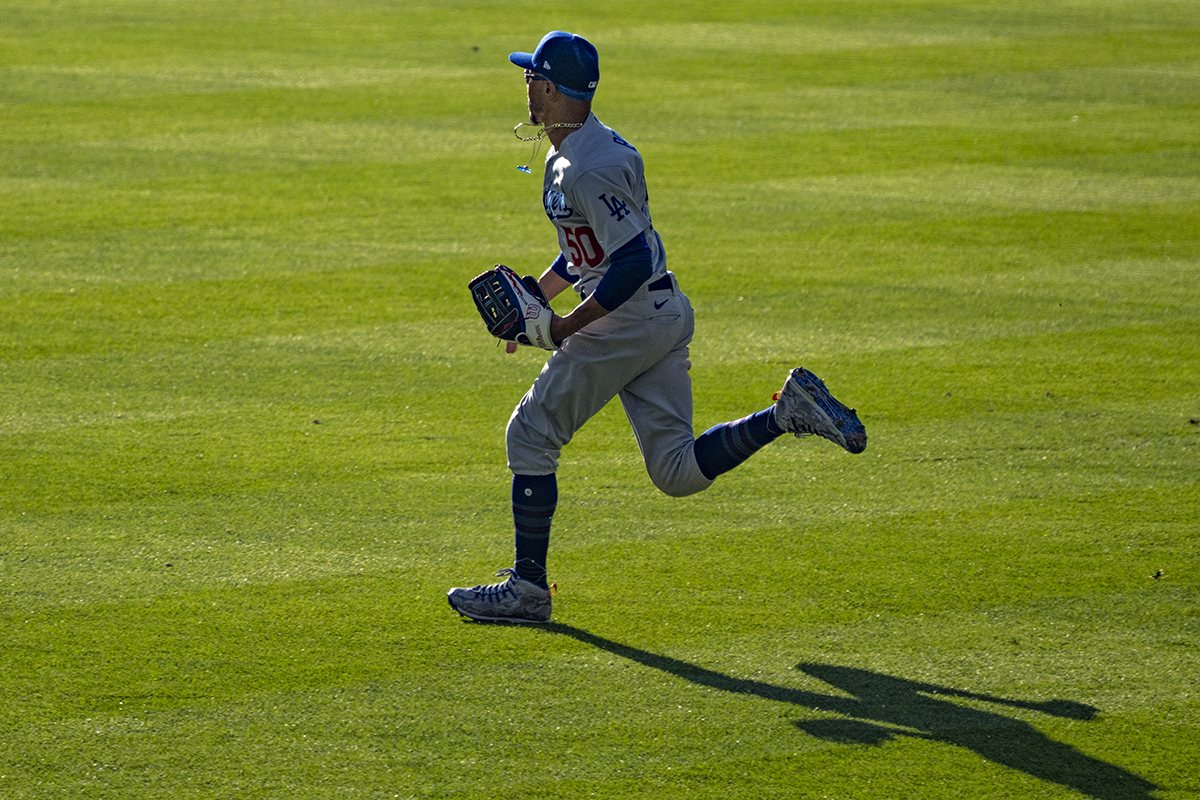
628	268
560	269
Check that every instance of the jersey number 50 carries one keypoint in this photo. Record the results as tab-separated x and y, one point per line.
583	246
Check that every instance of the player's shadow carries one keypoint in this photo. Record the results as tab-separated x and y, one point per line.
882	708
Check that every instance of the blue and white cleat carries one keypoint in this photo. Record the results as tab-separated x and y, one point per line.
806	408
513	600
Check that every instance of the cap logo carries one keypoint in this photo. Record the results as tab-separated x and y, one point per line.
545	65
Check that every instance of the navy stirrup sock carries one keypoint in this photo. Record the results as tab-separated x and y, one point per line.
723	447
534	499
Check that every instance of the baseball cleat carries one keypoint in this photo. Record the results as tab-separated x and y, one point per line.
513	600
805	407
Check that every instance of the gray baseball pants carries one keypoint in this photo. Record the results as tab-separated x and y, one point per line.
639	353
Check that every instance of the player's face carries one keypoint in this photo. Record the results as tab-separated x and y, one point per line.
536	90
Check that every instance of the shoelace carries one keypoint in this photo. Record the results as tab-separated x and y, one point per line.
494	591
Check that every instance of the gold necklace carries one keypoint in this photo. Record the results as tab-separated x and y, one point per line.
537	140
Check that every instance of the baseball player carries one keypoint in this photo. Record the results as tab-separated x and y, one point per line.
627	338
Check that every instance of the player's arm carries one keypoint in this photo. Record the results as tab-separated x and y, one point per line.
555	280
584	314
629	267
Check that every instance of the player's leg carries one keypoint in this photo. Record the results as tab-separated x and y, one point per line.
803	407
658	404
726	446
575	384
524	595
534	500
659	407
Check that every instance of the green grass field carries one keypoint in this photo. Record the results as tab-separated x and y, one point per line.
251	427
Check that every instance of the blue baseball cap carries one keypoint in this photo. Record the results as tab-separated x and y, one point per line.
569	61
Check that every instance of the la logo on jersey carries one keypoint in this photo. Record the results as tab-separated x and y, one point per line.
616	207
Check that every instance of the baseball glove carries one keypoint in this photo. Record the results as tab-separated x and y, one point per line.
514	309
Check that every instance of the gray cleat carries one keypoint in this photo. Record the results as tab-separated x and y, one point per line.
805	407
514	600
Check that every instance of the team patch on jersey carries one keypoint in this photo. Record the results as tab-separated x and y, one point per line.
556	205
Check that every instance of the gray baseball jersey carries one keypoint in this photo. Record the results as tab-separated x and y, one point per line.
594	191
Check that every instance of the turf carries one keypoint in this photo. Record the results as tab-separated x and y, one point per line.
251	429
